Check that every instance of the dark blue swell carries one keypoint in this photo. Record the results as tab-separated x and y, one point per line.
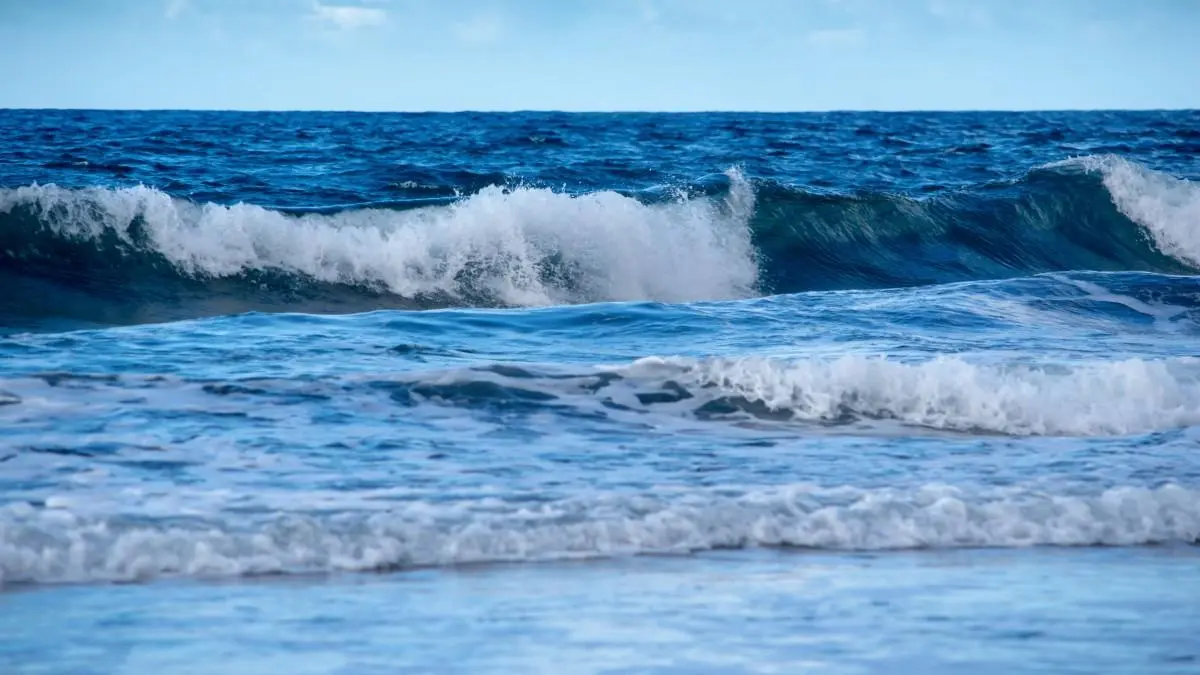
843	200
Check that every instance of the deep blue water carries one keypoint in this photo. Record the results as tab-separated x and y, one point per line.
599	393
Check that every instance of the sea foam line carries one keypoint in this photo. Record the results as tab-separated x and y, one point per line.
952	393
51	545
1097	398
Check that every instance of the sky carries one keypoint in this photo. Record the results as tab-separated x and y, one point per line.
766	55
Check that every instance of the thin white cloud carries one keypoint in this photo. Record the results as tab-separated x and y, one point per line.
481	29
347	17
174	8
964	11
837	37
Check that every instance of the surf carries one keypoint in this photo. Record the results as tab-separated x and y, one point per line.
60	545
124	255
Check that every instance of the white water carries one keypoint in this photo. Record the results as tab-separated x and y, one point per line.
1085	399
55	545
524	247
495	243
1081	398
1167	207
1089	398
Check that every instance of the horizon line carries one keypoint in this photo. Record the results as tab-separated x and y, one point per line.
620	111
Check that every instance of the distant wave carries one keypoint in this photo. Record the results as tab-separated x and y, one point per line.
107	254
57	545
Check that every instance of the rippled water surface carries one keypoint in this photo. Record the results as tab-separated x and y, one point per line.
341	393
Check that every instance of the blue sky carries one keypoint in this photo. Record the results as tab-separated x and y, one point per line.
601	54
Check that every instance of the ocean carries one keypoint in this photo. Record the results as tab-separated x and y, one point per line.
599	393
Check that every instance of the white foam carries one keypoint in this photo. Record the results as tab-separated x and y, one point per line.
1160	312
1168	207
39	545
1083	399
495	242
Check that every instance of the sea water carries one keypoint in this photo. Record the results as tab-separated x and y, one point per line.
822	393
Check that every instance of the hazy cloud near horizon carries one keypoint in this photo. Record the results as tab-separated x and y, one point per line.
601	54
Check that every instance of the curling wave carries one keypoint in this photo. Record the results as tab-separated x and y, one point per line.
134	253
500	246
1098	213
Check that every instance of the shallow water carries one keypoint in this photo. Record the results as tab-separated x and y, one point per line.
990	611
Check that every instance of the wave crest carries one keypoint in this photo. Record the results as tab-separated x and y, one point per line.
525	246
1099	398
1168	207
1091	399
1054	218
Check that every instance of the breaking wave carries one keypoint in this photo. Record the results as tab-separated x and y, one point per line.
1089	399
945	393
1102	398
126	254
